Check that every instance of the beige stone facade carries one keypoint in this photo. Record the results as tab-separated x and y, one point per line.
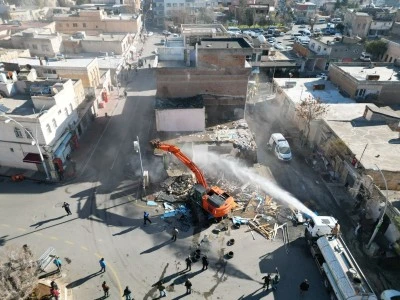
97	22
375	83
393	52
358	23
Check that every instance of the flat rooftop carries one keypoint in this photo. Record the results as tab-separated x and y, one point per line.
19	105
224	43
69	62
193	29
360	72
103	38
348	123
305	87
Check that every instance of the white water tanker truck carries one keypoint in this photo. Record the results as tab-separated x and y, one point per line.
343	278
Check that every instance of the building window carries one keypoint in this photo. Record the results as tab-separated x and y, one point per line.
28	133
70	107
390	59
364	26
358	26
84	25
12	149
181	4
312	45
59	111
45	48
54	123
48	128
319	48
66	112
18	132
174	4
168	4
34	46
74	24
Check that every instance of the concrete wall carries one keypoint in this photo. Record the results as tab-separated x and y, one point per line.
343	80
220	58
38	45
181	83
103	46
171	53
190	119
392	53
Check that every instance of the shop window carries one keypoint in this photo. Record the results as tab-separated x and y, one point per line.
48	128
18	132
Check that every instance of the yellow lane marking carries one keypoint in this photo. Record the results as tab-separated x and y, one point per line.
21	229
53	237
84	248
5	225
117	279
38	233
69	242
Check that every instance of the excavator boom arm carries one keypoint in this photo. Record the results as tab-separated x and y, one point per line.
184	159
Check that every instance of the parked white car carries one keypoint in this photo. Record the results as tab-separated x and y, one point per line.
280	146
390	295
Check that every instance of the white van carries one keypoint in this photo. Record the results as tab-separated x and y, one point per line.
365	56
280	146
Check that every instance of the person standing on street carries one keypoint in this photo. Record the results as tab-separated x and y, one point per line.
188	285
161	289
102	263
106	288
205	262
54	285
267	280
304	286
175	232
276	279
188	264
57	262
146	217
127	293
66	207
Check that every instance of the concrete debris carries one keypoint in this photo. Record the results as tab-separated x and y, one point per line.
172	211
179	185
239	220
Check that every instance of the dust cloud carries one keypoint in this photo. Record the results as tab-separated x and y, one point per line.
213	162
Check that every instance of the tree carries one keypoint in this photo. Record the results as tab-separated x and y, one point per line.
309	110
377	48
18	273
205	16
340	27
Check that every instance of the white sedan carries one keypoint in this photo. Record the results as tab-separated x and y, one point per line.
150	33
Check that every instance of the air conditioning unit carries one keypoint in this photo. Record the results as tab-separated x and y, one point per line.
290	84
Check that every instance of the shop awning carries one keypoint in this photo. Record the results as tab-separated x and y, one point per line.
32	158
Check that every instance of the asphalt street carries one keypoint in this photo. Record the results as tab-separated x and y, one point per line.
107	218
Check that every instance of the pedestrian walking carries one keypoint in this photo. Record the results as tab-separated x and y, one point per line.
304	286
58	263
276	279
146	217
144	60
66	207
267	281
54	285
125	93
103	265
161	289
188	285
149	66
188	264
55	293
106	288
205	262
175	232
127	293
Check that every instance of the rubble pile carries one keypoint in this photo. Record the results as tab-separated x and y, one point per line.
178	186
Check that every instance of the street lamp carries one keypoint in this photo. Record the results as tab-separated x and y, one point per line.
34	142
383	213
136	147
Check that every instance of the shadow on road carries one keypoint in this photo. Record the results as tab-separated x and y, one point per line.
82	280
40	223
255	295
126	230
181	296
155	248
186	276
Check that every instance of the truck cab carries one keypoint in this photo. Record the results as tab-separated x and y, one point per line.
319	226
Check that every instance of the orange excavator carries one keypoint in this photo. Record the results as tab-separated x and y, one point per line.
213	200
